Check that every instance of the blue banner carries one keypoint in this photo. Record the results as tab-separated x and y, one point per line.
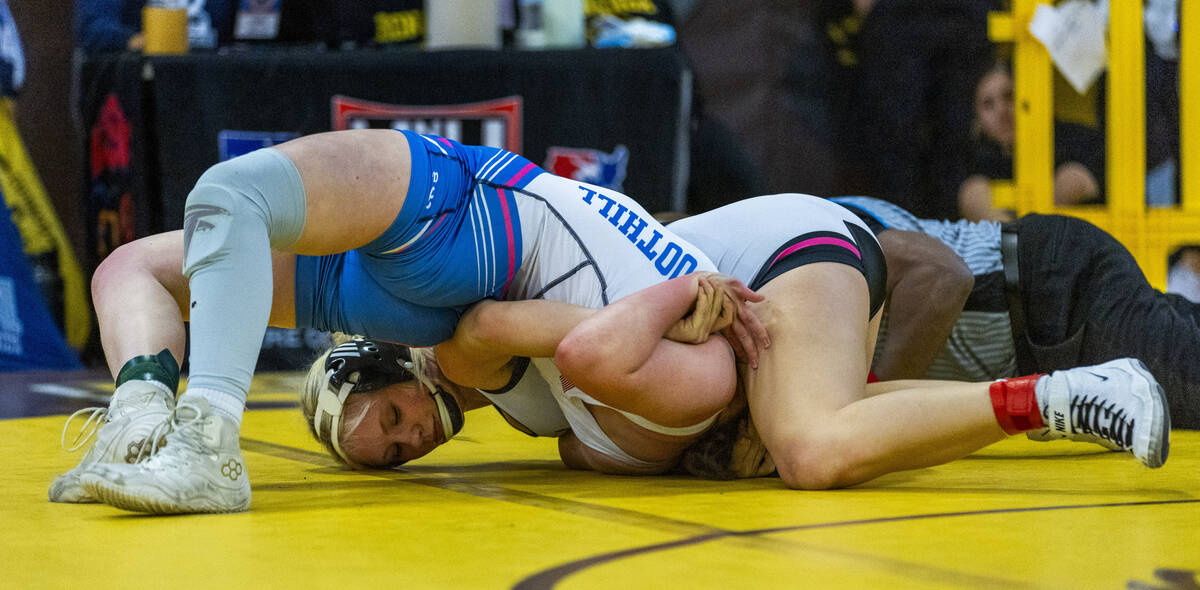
29	338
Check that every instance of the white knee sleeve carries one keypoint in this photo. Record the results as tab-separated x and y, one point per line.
238	210
264	184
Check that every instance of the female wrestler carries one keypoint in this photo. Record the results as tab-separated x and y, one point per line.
818	421
375	232
389	419
822	426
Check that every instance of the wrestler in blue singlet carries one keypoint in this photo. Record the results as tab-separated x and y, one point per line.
456	241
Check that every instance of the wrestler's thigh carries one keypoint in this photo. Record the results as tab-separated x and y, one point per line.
817	317
873	337
355	182
283	289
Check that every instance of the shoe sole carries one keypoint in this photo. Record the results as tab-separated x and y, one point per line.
1161	421
116	496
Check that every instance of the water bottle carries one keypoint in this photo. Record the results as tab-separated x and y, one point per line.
165	26
531	32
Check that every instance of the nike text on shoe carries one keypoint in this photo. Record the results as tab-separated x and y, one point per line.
1118	402
198	469
1048	434
138	414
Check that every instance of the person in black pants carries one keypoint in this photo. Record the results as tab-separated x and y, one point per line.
902	96
1086	299
1080	299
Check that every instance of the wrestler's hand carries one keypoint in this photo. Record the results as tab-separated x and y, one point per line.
704	318
739	324
721	306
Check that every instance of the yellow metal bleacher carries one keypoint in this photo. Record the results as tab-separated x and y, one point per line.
1150	233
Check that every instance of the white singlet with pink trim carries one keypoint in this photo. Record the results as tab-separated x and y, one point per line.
590	246
743	237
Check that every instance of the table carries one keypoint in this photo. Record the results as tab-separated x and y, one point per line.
620	115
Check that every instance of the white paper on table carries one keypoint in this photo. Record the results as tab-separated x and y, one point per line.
1073	33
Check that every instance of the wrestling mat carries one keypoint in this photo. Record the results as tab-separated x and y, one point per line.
495	509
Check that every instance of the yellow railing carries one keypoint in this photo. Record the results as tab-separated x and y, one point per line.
1150	233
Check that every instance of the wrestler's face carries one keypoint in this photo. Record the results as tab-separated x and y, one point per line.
994	107
391	425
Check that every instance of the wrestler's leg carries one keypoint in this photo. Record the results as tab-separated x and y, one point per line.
318	194
141	298
355	183
807	397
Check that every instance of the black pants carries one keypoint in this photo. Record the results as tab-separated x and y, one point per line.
1087	302
904	112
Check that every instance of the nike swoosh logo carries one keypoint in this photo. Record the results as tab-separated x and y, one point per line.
1100	377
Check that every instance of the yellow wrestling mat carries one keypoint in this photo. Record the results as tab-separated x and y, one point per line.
495	509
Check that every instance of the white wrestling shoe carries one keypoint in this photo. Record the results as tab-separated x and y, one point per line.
1048	434
1118	402
138	413
198	469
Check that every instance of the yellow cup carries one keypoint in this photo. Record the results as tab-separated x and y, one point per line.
165	29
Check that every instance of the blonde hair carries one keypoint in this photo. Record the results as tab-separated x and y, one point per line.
424	367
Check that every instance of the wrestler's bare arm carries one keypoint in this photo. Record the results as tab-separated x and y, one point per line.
619	356
928	284
492	333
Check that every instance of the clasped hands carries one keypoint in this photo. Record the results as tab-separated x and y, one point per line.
722	306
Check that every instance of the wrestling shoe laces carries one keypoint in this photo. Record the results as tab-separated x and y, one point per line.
186	439
199	468
137	451
1048	434
1103	418
120	433
1118	403
97	419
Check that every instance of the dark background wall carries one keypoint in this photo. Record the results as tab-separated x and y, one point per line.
777	117
44	114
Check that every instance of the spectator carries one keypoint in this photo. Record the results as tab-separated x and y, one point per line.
901	101
116	25
1162	102
1184	274
755	74
1078	153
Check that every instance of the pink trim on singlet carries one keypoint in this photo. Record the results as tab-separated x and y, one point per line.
417	237
508	232
445	141
521	174
439	222
818	242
